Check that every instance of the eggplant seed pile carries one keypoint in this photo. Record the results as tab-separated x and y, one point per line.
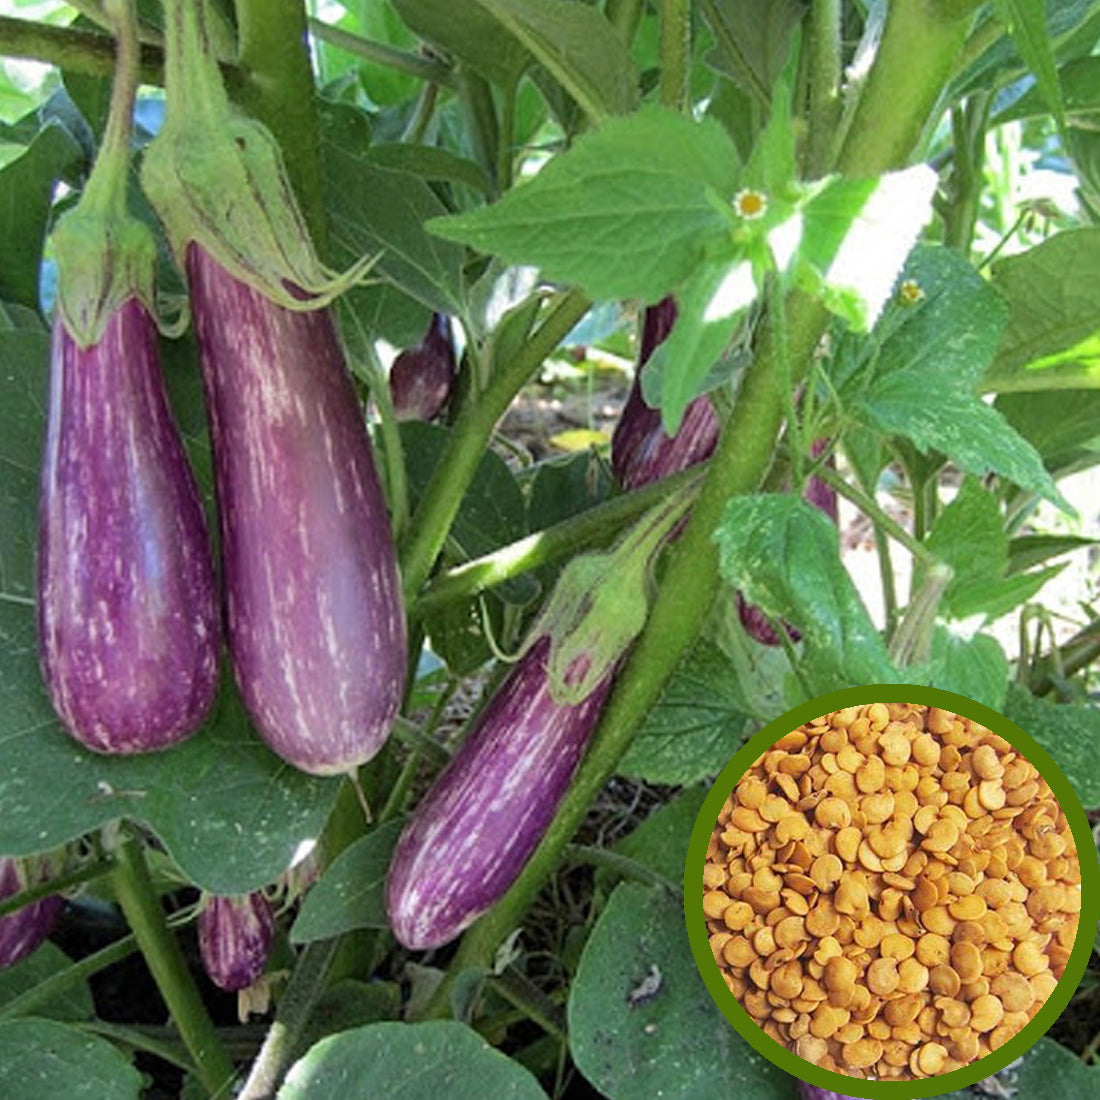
891	891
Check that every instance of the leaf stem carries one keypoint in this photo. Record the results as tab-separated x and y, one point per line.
280	92
56	885
61	982
624	16
306	984
434	72
473	430
621	865
674	50
596	526
824	66
139	903
911	642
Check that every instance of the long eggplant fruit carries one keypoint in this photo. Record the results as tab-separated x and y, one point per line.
235	936
314	613
478	825
127	605
422	377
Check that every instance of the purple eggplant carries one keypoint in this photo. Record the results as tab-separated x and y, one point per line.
127	605
478	825
235	935
422	377
641	452
812	1092
314	613
26	929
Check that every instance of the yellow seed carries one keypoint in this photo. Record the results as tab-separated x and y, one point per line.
942	836
986	1012
986	763
847	843
991	794
967	961
833	813
738	951
826	871
912	976
931	1058
790	931
737	916
751	793
882	976
862	1053
1028	958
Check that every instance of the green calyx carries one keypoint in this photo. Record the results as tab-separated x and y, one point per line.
217	179
601	603
104	256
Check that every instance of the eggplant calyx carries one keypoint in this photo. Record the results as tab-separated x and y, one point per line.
600	605
217	178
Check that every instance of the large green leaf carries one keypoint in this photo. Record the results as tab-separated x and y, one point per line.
1027	23
74	1003
646	184
695	727
578	46
230	812
752	40
40	1058
26	191
1050	341
641	1022
379	211
661	841
472	34
350	894
969	535
784	555
975	667
429	1061
1051	1070
1070	733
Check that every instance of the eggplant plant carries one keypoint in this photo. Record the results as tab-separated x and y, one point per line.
492	630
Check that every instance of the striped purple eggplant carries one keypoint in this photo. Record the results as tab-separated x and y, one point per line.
422	377
641	452
235	935
476	828
314	613
26	929
127	606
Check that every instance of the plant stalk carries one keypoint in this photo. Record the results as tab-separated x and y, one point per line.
55	886
452	476
674	53
139	903
434	72
825	105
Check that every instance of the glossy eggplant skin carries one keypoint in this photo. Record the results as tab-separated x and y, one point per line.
235	935
128	619
640	450
812	1092
476	828
314	612
26	929
422	377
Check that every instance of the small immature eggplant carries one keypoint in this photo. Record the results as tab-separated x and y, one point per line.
235	935
24	930
127	606
422	377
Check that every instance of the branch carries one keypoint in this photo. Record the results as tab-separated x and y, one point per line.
87	52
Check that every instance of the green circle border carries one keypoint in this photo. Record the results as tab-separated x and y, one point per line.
739	1017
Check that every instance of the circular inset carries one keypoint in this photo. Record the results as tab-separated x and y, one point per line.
891	891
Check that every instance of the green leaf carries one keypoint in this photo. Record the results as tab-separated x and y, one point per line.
856	237
1028	550
349	1004
42	1058
994	598
972	434
1054	315
695	727
428	1061
969	536
752	41
75	1003
351	893
711	305
1050	1070
430	163
380	23
576	44
26	191
647	182
1027	23
662	839
1070	733
377	210
784	555
975	667
629	1041
1059	424
1080	83
474	36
